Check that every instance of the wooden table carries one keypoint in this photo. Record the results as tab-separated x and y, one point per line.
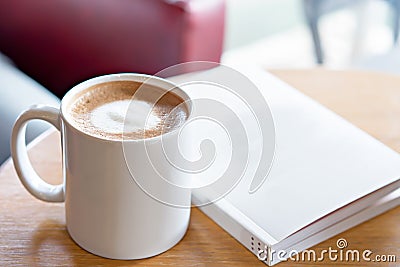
32	232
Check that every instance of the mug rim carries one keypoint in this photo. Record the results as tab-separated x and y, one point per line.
152	80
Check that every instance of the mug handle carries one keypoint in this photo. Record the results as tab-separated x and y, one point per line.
28	176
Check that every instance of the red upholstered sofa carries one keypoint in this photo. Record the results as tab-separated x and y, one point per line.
62	42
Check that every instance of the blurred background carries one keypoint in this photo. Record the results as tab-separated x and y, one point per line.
276	33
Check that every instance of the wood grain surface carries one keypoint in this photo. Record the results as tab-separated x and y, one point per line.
33	233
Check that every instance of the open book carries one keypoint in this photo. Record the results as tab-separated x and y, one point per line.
327	176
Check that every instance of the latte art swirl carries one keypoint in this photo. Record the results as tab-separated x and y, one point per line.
112	111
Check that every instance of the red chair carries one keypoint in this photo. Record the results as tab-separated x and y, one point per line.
60	43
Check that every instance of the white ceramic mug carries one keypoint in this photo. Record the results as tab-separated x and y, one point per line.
107	213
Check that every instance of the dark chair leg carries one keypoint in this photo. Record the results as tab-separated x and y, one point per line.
396	20
311	11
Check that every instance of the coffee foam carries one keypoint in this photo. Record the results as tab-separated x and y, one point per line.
113	117
112	110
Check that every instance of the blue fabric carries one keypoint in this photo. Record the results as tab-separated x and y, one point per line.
17	93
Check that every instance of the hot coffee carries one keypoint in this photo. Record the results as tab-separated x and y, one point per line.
127	110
